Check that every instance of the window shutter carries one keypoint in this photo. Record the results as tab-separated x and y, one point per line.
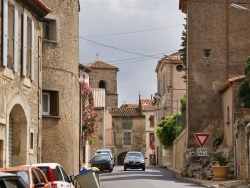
24	60
5	32
16	39
32	51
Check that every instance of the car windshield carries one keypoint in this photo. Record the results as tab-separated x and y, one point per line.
23	174
100	158
134	155
108	152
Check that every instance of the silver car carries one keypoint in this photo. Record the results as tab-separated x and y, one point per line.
109	152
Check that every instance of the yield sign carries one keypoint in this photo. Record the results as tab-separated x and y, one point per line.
201	138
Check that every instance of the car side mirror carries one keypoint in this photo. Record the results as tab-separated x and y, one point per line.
72	178
145	157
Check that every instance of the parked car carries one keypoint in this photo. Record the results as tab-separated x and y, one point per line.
56	175
102	161
109	152
31	175
134	160
8	180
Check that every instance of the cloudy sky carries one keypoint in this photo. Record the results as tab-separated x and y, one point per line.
132	35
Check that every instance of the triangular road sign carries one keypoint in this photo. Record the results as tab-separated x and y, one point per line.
201	138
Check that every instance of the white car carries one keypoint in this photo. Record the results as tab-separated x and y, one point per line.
109	152
56	175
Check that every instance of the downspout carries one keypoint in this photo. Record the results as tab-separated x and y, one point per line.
39	86
80	124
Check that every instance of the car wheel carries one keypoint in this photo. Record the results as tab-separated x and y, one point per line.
125	168
143	169
110	170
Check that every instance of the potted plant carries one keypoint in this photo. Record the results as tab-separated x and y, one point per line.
221	170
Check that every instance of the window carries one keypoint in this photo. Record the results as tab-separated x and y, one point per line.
207	53
50	103
127	138
228	116
102	84
50	30
46	103
10	58
127	123
28	47
151	119
151	139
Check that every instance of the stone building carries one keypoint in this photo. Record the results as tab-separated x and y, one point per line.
103	80
129	131
20	73
60	85
217	48
147	108
104	75
171	87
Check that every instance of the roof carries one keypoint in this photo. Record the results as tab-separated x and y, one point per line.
183	6
101	65
230	81
146	105
129	106
125	112
84	68
173	58
38	7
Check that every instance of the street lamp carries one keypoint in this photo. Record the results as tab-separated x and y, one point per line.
239	7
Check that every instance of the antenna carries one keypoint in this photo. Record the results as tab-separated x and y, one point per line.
97	54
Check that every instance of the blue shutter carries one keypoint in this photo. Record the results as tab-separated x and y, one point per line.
24	60
5	31
32	51
16	39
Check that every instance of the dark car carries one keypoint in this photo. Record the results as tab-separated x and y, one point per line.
11	180
102	161
134	160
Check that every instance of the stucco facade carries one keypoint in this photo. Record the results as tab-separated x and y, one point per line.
20	97
171	87
60	84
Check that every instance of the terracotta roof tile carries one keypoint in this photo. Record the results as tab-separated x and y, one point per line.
125	112
101	65
147	105
129	106
231	80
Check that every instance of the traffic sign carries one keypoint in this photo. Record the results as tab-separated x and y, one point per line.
152	146
201	138
201	151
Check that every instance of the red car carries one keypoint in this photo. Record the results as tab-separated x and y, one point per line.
33	176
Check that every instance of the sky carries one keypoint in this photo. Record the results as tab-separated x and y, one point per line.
131	35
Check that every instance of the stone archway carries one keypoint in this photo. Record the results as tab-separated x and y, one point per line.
17	137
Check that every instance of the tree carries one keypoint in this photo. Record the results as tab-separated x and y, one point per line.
184	48
168	130
89	115
183	103
244	89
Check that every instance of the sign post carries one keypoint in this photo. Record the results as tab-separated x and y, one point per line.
202	140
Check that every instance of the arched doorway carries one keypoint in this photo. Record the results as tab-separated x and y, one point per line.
17	137
120	158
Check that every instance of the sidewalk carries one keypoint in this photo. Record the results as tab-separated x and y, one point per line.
209	183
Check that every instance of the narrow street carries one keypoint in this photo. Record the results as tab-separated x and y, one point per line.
153	177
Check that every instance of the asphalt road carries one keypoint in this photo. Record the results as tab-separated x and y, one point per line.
152	177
